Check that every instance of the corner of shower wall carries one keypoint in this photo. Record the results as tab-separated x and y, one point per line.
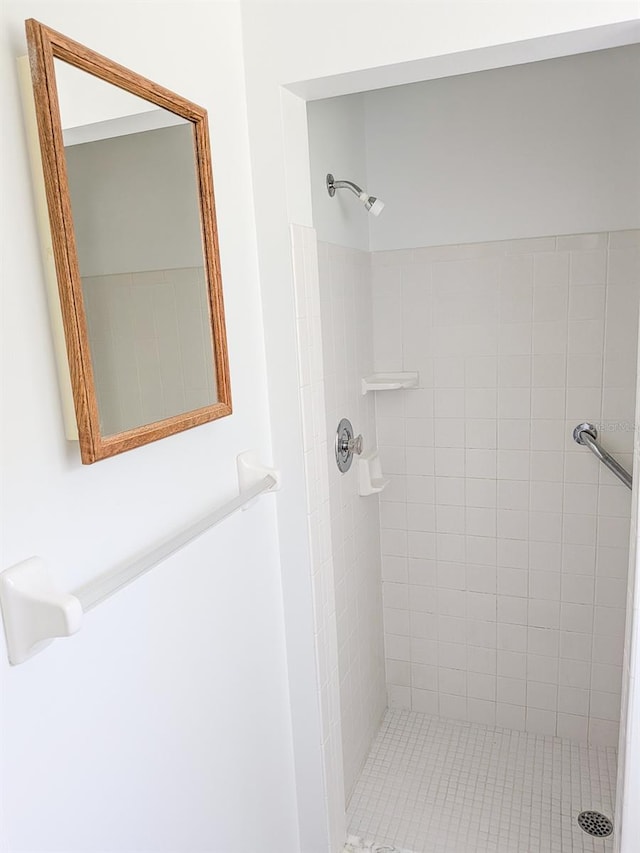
311	386
628	778
347	353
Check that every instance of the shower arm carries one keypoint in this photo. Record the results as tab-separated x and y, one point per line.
372	204
349	185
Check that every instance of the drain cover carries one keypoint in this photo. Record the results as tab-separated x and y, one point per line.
594	823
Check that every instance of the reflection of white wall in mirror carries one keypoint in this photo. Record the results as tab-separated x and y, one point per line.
135	202
85	99
138	123
151	345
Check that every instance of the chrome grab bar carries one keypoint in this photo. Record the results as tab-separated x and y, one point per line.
587	434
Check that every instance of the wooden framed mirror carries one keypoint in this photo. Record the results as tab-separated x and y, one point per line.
129	192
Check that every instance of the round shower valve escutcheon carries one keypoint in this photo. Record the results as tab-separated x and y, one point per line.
346	445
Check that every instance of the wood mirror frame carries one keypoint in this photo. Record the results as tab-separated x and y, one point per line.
45	45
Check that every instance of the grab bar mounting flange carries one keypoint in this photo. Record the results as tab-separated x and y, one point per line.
587	435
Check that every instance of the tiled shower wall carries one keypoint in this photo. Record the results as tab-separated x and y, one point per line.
346	311
504	543
312	401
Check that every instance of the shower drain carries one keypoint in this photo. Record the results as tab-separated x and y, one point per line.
594	823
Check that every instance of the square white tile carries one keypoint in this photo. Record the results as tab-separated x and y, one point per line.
432	785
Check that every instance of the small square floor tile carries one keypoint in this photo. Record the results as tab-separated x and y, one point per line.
432	785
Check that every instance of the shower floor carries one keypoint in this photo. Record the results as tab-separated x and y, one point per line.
432	785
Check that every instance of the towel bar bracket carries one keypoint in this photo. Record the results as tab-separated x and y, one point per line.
35	611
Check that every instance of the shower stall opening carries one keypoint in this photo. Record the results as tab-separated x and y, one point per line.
473	559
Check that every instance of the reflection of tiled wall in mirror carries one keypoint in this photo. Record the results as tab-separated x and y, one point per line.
150	345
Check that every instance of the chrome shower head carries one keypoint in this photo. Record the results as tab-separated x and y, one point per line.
372	204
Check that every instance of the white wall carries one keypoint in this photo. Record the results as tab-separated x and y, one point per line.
337	145
544	148
164	724
529	150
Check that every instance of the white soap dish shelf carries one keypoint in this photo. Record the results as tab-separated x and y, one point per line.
389	381
370	479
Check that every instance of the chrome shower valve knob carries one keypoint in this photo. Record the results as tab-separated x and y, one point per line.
346	445
355	444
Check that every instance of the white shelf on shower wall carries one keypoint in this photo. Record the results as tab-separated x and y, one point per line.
389	381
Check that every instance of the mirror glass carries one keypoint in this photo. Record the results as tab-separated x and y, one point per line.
134	195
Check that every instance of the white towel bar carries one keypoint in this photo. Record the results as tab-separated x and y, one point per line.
35	611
